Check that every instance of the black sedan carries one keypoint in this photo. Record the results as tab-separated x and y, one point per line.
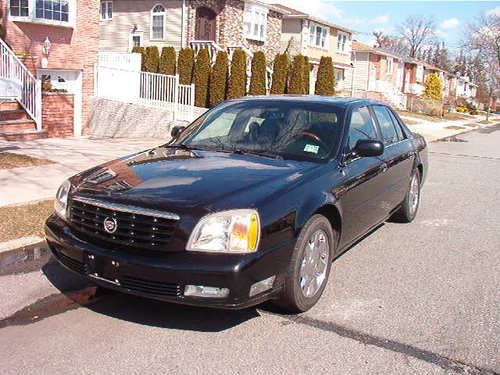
252	201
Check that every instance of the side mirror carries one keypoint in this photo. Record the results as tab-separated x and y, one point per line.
176	131
368	147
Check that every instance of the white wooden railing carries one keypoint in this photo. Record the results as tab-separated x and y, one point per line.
149	89
212	47
29	89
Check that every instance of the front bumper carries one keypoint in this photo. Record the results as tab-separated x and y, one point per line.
163	276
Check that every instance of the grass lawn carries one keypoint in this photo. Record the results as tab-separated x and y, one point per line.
422	116
24	221
10	160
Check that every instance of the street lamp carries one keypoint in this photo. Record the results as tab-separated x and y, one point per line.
45	50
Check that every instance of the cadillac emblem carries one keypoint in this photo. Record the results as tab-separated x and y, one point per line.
110	225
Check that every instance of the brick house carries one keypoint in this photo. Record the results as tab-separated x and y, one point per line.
215	24
313	37
378	74
56	41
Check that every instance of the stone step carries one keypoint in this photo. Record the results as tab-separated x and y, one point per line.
23	135
10	126
13	114
8	105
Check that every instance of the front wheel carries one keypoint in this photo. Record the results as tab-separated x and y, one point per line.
309	266
409	208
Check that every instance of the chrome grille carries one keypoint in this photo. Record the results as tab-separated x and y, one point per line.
133	229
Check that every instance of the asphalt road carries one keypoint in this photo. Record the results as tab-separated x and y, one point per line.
409	299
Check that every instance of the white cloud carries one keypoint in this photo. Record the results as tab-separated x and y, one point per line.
380	19
440	33
450	23
494	12
321	8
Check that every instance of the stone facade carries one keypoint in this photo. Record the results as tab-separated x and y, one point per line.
57	114
72	48
230	26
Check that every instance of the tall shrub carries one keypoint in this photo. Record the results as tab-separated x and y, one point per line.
433	87
201	77
185	66
281	66
325	81
218	79
152	59
258	79
167	61
307	76
297	80
238	79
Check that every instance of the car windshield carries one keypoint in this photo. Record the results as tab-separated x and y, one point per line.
287	129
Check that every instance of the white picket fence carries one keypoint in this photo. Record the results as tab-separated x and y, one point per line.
148	89
18	83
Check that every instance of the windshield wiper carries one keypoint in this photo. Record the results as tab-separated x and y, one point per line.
240	151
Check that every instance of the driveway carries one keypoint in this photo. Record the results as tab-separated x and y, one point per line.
72	155
409	299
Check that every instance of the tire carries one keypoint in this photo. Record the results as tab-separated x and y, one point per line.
297	298
409	208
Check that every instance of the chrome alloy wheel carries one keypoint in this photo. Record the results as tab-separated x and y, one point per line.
314	263
414	195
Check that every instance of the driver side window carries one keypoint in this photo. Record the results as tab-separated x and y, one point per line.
361	127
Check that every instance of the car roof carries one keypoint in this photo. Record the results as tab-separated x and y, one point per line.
342	101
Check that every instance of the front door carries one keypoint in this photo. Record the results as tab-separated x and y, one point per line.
205	24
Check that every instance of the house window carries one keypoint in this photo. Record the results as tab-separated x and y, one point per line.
106	10
19	8
420	73
57	10
255	19
342	45
339	76
389	65
158	22
318	36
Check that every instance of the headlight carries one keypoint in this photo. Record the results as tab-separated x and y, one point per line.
61	202
235	231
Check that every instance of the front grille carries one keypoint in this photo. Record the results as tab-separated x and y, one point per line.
133	229
71	263
151	287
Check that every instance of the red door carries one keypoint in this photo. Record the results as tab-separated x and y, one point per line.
205	24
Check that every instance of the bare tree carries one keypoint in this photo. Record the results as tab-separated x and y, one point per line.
416	32
390	43
482	41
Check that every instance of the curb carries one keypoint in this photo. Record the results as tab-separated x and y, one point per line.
25	253
447	138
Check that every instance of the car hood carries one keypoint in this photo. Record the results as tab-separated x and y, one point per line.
172	178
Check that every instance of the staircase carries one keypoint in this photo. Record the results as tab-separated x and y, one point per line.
20	99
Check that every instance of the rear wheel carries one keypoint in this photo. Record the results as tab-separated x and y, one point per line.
409	207
309	266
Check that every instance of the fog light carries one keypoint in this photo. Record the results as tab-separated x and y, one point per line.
262	286
205	291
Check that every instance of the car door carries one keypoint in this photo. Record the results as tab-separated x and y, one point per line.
360	197
398	157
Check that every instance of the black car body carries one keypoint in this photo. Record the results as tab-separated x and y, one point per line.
154	200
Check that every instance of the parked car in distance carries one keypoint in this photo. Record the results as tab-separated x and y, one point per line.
251	202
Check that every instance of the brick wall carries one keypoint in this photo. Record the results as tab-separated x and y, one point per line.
71	48
230	27
57	114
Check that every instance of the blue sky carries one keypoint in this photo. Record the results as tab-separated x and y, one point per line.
450	17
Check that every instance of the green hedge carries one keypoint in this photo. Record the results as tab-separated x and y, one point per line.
218	79
325	81
152	59
281	67
185	66
297	79
238	79
142	51
167	61
258	78
307	75
201	77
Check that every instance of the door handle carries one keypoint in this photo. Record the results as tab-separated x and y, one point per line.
383	168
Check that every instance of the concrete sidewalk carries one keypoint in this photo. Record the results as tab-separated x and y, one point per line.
71	155
442	129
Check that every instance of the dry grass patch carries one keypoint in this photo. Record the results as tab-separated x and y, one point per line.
10	160
454	127
24	221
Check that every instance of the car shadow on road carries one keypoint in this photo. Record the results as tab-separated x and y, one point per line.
142	310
